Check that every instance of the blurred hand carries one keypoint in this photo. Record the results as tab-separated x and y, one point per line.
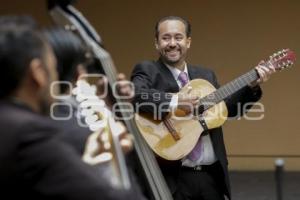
124	88
102	86
94	152
99	150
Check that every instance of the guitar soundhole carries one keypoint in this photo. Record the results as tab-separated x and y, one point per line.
199	110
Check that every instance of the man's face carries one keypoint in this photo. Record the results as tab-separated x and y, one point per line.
172	42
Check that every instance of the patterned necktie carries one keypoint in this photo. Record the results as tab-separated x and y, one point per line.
196	152
183	78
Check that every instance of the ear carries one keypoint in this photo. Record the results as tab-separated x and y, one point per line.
80	71
156	43
189	41
38	72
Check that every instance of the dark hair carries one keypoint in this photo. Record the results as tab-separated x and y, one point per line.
20	43
18	20
69	52
188	28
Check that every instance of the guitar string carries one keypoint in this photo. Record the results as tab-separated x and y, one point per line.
228	89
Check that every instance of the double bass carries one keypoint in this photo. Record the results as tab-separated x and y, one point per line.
66	15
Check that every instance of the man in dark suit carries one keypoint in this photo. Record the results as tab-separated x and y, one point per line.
202	175
35	164
74	65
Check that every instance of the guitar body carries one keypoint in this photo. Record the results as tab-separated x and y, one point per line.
158	136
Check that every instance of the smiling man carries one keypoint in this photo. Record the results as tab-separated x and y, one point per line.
203	173
173	41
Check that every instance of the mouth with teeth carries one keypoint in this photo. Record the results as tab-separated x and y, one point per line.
173	54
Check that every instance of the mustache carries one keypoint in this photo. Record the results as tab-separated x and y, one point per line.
172	49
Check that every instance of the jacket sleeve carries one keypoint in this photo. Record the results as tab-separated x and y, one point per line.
147	99
56	171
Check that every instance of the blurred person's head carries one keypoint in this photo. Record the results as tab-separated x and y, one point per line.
18	20
27	63
75	60
70	53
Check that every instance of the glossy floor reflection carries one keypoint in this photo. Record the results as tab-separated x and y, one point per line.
262	186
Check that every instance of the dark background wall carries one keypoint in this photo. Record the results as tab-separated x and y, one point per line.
230	37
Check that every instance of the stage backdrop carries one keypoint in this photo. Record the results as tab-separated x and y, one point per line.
229	37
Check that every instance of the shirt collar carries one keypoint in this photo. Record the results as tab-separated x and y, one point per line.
175	72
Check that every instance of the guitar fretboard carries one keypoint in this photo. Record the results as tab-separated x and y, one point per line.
228	89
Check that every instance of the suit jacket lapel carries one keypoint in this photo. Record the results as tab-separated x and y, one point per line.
196	73
168	76
193	73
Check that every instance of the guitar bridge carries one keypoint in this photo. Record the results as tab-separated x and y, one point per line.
171	129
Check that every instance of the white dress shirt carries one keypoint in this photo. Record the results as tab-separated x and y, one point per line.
207	156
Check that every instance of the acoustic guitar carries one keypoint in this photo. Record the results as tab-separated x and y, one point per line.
176	135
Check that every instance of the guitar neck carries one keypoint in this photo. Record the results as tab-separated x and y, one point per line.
227	90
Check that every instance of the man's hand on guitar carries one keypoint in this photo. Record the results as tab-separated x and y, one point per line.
264	72
187	102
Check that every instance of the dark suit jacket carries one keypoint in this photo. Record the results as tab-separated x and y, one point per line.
75	132
74	129
35	164
150	77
